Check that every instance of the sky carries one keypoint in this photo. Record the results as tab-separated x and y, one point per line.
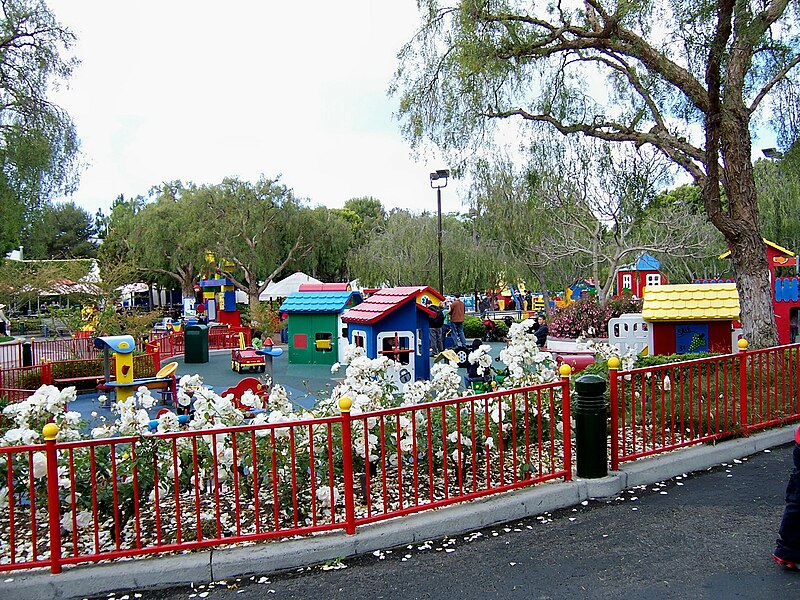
197	91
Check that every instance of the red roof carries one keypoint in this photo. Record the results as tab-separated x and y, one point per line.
384	301
324	287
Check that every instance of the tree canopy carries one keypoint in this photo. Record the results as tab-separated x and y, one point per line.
686	78
38	143
62	231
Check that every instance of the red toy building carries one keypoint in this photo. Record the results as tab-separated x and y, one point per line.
633	278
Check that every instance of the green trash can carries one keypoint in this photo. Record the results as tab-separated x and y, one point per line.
195	344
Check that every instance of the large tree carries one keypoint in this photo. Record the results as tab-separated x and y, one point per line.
405	253
38	144
686	78
64	230
168	237
258	227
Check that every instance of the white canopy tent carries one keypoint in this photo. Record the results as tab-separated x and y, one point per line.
284	287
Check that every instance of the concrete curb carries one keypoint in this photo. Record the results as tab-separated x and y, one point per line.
227	563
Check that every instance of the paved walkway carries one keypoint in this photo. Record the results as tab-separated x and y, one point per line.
708	535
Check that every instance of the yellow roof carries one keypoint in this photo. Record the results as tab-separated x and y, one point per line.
768	243
691	302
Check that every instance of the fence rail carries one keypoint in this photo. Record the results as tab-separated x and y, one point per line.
164	492
662	408
190	489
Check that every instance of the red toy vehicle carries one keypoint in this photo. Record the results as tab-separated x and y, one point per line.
247	358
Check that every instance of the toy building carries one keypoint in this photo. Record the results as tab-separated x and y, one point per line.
692	317
316	333
393	322
632	279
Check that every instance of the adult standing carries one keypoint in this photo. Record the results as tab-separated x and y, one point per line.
457	311
436	322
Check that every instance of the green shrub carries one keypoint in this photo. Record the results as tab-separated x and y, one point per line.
502	328
474	327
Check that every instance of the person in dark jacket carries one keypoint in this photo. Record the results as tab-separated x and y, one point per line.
787	551
436	321
541	333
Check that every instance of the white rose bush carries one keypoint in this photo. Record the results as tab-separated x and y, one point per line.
234	467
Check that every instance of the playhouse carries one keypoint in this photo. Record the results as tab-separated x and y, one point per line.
393	322
316	333
219	296
691	317
785	296
632	279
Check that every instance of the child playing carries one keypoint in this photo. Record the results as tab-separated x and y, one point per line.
787	552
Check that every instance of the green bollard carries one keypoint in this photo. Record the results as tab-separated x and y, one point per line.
590	427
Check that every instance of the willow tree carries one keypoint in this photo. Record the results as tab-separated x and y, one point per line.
687	78
38	143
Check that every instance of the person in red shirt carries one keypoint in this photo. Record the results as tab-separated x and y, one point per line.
456	313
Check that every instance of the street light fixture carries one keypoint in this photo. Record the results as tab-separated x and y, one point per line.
438	181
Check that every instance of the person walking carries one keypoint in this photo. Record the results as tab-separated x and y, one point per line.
436	322
787	551
457	311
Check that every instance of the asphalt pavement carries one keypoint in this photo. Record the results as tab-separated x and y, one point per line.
703	535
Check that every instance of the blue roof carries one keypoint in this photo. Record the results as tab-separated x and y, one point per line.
647	263
318	302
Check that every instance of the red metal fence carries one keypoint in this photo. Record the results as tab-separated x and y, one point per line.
169	344
70	372
662	408
219	338
191	489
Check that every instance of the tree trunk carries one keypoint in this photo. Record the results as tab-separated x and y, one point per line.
743	234
187	288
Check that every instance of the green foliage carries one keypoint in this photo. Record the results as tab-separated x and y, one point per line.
474	327
406	253
778	186
62	231
625	304
38	143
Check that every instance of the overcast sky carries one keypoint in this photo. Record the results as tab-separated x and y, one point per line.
198	90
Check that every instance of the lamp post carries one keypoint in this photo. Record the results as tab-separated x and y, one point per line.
438	181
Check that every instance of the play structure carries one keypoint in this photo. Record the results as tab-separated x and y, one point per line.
633	278
393	322
219	295
316	332
691	317
121	348
785	294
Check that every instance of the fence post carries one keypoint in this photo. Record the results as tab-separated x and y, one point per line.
744	412
613	398
50	431
152	349
347	466
565	371
33	351
47	372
